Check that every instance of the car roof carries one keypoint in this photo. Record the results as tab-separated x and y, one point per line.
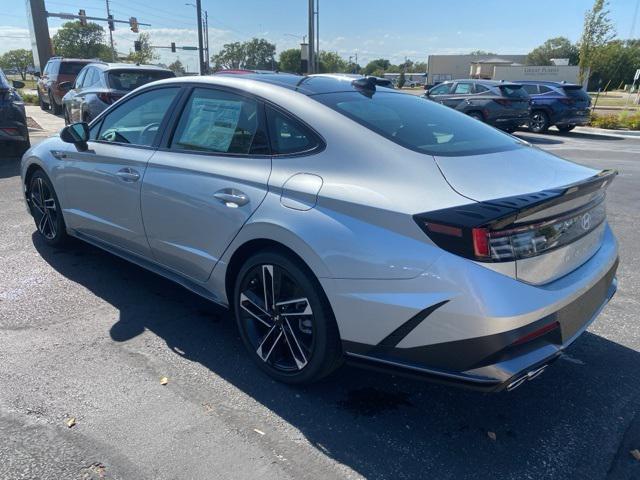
126	66
305	84
491	83
548	83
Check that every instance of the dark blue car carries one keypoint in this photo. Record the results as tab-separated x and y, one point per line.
13	118
564	105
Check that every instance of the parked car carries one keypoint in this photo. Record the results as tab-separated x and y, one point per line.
564	105
501	104
100	84
56	71
379	81
13	118
339	220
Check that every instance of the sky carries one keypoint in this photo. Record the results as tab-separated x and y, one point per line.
369	28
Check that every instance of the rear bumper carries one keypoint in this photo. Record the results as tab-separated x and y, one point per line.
469	339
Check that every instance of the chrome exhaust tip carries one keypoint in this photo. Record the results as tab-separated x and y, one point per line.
528	376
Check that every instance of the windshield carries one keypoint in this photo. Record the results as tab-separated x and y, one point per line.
419	124
132	79
576	92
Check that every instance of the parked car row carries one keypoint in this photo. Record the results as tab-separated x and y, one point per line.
13	119
341	220
509	105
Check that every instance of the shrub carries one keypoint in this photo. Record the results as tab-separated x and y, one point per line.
625	120
29	98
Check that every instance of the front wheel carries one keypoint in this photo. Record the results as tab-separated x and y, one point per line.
539	122
45	210
43	106
284	319
55	108
566	128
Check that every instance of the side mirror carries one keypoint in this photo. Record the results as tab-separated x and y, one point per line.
65	85
37	74
76	133
18	84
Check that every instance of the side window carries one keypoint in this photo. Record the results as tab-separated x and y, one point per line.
545	89
46	68
80	78
462	88
288	135
137	120
481	88
443	89
90	78
217	121
531	89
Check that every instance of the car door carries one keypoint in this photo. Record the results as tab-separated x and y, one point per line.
207	180
440	93
461	91
102	184
72	99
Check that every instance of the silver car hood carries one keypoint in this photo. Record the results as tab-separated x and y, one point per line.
513	172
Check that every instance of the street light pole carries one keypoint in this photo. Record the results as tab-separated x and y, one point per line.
200	45
311	59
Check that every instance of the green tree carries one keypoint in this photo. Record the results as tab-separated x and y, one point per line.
20	59
614	64
401	79
418	67
480	53
558	47
256	53
146	53
378	65
81	41
290	60
597	31
177	67
331	62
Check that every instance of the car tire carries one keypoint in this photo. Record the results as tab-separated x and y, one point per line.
55	108
293	342
476	115
45	210
539	121
565	128
43	106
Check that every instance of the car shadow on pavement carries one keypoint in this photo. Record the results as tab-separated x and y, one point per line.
568	423
9	166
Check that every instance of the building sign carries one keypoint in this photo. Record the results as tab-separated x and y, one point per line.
551	73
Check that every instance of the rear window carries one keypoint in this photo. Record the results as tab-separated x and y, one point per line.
419	124
71	68
513	91
132	79
576	92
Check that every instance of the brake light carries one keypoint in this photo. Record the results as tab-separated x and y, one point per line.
14	132
480	242
536	333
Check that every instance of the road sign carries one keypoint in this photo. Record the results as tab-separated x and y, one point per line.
189	48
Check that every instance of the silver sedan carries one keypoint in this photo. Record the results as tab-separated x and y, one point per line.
340	220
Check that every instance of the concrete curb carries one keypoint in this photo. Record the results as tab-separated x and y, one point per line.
608	132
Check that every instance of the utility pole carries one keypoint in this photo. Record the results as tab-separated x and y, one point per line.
200	45
317	33
206	41
312	57
113	50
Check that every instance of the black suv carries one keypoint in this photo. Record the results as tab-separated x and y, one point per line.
501	104
564	105
13	119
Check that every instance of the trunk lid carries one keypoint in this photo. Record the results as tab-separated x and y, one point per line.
542	214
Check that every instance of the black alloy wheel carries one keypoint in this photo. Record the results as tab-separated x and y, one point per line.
45	210
284	322
539	122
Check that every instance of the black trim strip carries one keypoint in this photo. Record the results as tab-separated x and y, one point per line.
395	337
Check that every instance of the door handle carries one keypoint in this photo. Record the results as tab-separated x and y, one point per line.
128	175
231	197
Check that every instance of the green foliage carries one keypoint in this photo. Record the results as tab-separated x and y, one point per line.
401	80
597	31
146	53
290	60
378	65
418	67
331	62
29	98
256	53
177	67
81	41
624	120
558	47
480	53
19	59
614	64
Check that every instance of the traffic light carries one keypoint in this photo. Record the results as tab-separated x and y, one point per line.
137	46
112	27
83	17
173	47
133	23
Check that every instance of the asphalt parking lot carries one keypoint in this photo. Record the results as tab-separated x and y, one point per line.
87	335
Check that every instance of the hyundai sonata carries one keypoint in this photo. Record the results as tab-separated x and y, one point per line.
340	220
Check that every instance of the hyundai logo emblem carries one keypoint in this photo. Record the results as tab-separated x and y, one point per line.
586	221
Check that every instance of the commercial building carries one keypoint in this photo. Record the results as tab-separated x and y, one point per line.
450	67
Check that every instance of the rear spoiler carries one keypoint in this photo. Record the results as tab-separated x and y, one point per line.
467	230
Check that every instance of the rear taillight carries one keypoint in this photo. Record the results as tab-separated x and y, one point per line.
536	333
11	131
108	97
492	243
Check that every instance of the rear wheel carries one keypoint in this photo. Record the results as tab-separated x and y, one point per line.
43	105
45	210
284	320
566	128
55	108
67	120
539	122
